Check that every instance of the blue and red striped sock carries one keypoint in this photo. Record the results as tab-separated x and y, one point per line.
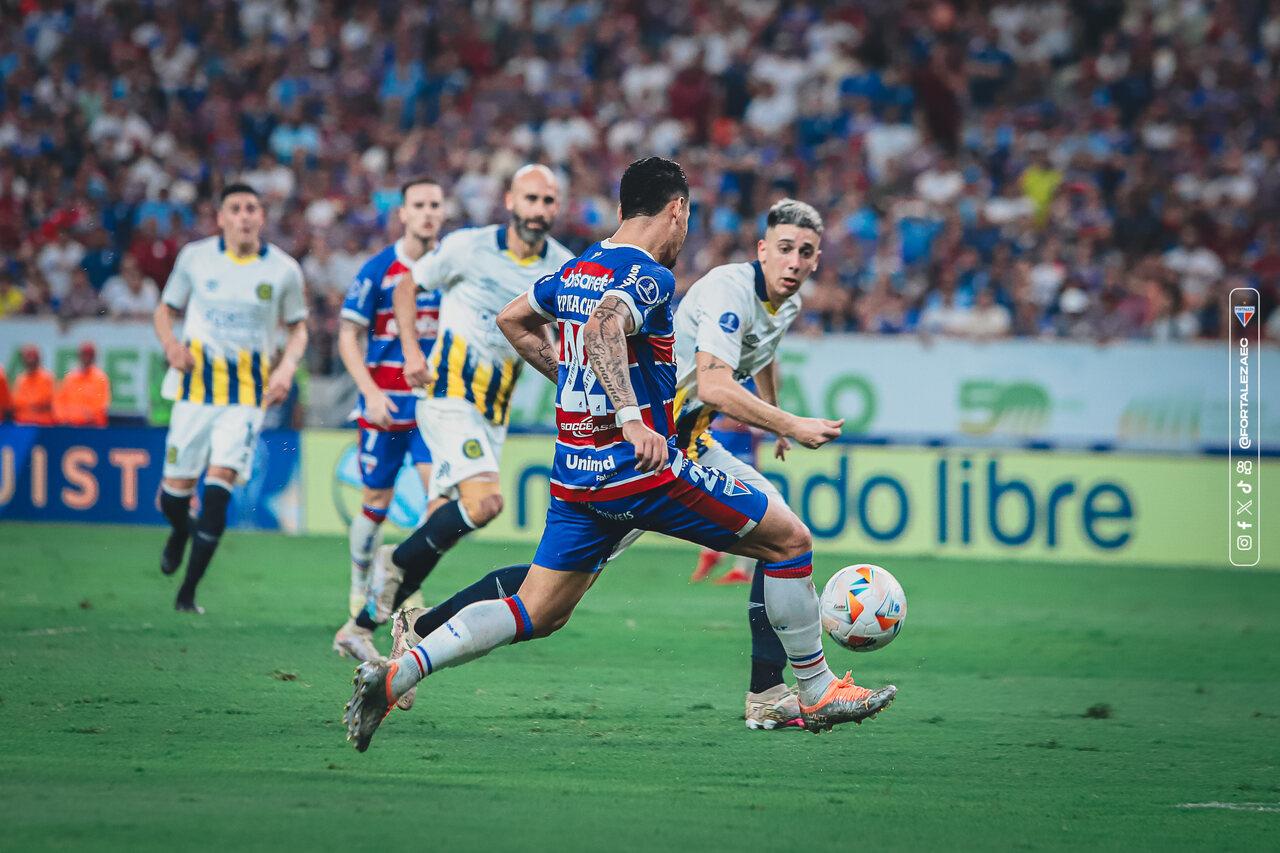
792	605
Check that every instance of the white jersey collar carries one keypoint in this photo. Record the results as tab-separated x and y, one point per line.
609	244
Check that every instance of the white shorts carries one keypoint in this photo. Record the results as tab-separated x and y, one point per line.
203	436
716	457
462	443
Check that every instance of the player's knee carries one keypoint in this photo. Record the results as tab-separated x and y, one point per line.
550	625
547	617
482	509
377	498
792	539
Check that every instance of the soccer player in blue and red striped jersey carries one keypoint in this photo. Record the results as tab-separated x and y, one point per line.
617	468
371	350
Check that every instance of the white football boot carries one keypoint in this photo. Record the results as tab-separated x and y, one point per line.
355	642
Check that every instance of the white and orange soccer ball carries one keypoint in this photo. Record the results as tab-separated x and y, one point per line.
863	607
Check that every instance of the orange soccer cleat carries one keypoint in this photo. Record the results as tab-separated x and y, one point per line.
845	702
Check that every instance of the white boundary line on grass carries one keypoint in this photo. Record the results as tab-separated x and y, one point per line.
1234	807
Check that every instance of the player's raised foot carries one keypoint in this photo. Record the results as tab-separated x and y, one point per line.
384	582
403	637
355	642
777	707
707	561
735	575
175	548
183	605
845	702
371	701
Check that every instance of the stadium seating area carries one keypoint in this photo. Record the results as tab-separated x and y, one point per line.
1087	170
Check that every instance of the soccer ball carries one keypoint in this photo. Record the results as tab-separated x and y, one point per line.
863	607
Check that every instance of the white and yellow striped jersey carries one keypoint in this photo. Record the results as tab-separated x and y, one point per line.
727	314
232	308
478	276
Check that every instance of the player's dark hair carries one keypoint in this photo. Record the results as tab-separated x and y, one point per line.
788	211
417	180
649	184
237	187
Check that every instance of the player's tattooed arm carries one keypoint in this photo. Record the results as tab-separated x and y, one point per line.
604	337
529	336
719	390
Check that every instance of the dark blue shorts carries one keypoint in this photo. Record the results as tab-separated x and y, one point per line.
701	505
382	454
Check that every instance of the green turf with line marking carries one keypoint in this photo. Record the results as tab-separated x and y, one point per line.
1040	707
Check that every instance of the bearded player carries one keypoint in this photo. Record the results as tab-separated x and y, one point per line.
232	291
467	383
617	468
371	349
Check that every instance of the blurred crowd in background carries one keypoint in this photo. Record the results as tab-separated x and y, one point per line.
1087	170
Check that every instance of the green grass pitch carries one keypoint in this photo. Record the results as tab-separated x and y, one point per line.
1040	707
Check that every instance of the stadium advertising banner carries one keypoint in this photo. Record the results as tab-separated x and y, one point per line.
1127	395
112	476
1035	505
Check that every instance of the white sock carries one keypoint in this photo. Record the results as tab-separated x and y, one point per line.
477	630
363	536
792	605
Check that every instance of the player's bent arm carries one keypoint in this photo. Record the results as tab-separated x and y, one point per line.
281	378
767	387
378	408
604	338
404	301
528	334
767	382
719	390
175	351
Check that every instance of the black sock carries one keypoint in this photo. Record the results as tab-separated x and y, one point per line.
177	509
418	554
768	657
213	520
495	585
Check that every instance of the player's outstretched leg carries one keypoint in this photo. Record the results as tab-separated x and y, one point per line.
784	545
410	625
542	606
175	503
770	702
208	532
